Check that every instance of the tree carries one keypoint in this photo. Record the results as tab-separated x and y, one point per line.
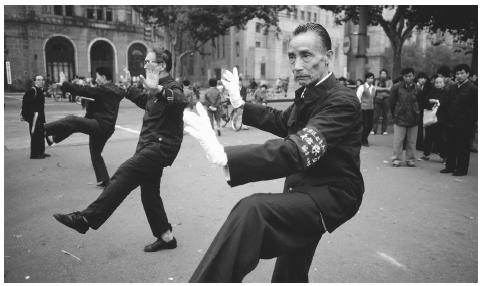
459	20
188	28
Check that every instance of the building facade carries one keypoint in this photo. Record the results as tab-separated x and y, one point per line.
262	54
49	39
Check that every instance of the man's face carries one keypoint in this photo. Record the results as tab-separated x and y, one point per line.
308	58
383	75
461	76
100	79
39	81
422	81
370	80
408	78
151	61
439	82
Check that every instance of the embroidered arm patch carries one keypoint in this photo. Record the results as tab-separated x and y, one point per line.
311	144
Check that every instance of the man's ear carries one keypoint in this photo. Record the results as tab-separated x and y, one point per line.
163	66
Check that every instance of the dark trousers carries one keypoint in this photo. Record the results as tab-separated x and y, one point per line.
263	226
381	110
367	118
420	138
37	143
143	169
63	128
458	149
433	141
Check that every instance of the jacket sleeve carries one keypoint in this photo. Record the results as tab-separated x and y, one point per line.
82	90
297	152
137	96
174	95
267	118
392	100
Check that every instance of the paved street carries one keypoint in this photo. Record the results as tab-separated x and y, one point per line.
414	225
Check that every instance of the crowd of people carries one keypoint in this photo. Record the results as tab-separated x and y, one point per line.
450	95
318	152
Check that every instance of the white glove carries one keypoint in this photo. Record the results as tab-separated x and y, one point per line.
199	127
231	83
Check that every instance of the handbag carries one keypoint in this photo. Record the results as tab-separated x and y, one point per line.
429	116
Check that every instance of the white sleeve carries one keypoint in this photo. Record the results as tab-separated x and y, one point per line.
359	92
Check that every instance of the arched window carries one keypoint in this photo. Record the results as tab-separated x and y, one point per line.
136	55
101	55
59	56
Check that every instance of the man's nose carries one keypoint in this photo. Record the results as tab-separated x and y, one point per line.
298	65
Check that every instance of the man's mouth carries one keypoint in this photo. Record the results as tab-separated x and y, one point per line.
302	77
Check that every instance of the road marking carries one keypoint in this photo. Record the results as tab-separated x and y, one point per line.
128	129
391	260
14	97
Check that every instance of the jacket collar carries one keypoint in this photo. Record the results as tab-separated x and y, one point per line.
311	92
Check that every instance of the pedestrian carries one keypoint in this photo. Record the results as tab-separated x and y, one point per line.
434	140
189	94
383	86
342	80
462	115
213	104
261	95
33	111
366	95
423	89
358	83
319	154
405	111
444	71
236	120
159	142
98	123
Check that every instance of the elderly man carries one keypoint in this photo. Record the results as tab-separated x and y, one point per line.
34	113
318	153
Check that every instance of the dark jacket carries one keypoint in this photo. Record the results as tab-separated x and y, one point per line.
105	106
319	154
462	105
33	101
404	104
162	124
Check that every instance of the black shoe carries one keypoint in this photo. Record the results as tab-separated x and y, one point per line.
458	174
73	220
46	155
160	244
102	184
37	157
446	171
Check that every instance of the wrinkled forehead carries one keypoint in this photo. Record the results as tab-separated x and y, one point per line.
306	41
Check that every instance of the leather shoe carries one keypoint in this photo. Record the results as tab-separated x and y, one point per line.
160	244
446	171
102	184
37	157
73	220
458	174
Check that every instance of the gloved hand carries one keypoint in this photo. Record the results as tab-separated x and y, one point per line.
199	127
231	83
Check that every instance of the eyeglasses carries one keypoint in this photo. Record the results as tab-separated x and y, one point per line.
152	62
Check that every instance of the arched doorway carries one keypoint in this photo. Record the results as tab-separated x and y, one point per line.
59	56
101	55
135	59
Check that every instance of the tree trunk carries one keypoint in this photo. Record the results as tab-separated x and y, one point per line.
179	63
397	59
473	65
